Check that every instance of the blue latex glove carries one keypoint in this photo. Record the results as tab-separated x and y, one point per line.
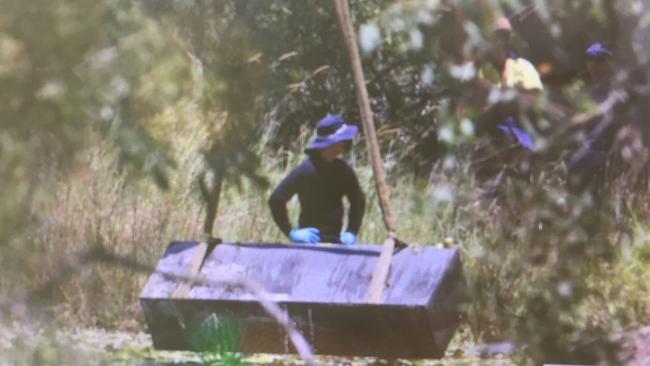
348	238
305	235
511	128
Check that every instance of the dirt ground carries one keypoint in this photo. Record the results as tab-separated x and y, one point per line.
25	344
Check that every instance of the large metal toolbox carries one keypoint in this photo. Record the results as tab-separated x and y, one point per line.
323	289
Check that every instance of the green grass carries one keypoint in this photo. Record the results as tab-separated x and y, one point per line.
218	340
99	204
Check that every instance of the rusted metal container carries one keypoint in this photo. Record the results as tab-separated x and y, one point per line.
323	288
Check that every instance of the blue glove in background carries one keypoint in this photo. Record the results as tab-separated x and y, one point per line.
305	235
348	238
511	128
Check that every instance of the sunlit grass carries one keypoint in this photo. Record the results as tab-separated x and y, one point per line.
99	204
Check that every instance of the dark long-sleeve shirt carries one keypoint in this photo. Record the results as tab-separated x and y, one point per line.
320	186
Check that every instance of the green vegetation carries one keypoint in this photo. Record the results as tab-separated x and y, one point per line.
122	123
219	341
138	220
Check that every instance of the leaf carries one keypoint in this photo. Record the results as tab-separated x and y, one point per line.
370	37
256	58
287	55
296	86
320	69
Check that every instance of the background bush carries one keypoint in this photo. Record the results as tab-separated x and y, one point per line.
97	95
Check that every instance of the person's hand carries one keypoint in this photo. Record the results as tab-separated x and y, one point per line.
348	238
305	235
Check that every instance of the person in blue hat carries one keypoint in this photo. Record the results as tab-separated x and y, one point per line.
600	69
598	52
321	181
586	165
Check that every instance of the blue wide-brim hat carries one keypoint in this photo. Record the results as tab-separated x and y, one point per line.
598	51
331	130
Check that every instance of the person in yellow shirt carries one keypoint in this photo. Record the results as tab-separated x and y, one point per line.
521	74
504	68
503	142
514	71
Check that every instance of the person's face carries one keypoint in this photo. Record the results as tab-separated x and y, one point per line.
347	146
499	47
502	38
598	68
335	150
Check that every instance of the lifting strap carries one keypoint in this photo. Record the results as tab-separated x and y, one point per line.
183	289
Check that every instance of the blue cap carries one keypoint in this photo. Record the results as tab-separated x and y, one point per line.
331	130
598	50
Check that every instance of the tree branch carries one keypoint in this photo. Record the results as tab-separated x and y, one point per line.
100	254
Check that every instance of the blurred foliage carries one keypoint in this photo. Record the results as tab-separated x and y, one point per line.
231	76
245	81
68	69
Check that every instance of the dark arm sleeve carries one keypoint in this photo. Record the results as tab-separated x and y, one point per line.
279	198
357	202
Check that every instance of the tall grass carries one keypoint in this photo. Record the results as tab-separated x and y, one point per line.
98	203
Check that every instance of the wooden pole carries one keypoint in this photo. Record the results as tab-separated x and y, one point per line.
349	35
378	282
183	289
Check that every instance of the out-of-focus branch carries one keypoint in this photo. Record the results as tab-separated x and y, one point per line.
614	97
100	255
